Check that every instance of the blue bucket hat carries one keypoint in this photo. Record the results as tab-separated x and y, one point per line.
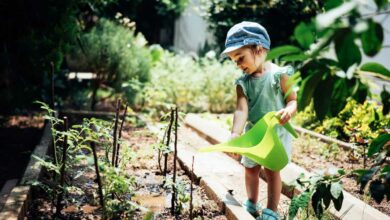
246	33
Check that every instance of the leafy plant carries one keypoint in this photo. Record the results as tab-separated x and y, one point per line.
377	177
195	85
340	25
118	186
319	191
117	55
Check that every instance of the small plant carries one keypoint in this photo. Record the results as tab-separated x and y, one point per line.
377	177
317	193
116	187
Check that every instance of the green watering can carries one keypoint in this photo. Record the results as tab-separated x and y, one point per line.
261	143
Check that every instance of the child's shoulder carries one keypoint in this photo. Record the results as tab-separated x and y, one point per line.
280	70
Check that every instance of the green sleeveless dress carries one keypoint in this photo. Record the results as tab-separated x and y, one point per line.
264	94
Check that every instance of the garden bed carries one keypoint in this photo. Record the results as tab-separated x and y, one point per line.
18	137
149	193
309	151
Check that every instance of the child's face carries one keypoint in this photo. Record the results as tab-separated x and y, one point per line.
248	59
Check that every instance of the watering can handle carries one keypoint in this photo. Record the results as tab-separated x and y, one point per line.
289	127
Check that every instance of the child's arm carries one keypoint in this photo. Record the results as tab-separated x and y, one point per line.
241	113
291	100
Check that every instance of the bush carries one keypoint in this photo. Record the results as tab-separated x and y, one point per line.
117	55
37	34
356	123
194	85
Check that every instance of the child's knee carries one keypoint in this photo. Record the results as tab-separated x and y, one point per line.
253	170
272	174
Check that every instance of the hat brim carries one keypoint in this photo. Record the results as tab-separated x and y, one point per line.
230	49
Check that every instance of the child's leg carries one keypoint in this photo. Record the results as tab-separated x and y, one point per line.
252	183
274	183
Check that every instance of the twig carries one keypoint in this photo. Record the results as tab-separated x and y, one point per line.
191	189
159	150
63	165
120	135
99	181
52	85
168	142
174	167
115	132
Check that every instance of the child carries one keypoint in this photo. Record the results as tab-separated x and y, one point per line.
260	90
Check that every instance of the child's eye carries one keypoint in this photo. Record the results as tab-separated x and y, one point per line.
239	60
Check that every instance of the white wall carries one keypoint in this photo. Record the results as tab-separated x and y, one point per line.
191	30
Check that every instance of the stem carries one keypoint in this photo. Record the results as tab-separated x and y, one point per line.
115	132
100	187
159	151
120	135
63	165
52	85
364	156
174	168
168	141
191	189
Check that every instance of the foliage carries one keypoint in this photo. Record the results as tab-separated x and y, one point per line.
339	27
356	123
117	55
181	193
318	191
377	177
38	33
118	186
194	85
151	16
278	17
171	8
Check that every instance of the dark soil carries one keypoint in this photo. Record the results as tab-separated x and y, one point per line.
18	137
149	191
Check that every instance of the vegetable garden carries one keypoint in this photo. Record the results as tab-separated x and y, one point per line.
113	142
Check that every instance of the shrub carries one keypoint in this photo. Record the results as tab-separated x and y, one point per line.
117	55
194	85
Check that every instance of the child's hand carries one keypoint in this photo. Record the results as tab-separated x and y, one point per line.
285	115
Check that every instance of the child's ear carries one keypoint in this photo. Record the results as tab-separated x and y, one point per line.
258	49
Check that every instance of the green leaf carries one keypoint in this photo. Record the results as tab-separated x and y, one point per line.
340	94
330	4
297	202
347	51
385	97
338	202
377	144
377	190
322	97
336	189
359	91
282	50
326	196
148	216
294	57
304	33
372	38
316	203
341	171
307	89
375	68
381	3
